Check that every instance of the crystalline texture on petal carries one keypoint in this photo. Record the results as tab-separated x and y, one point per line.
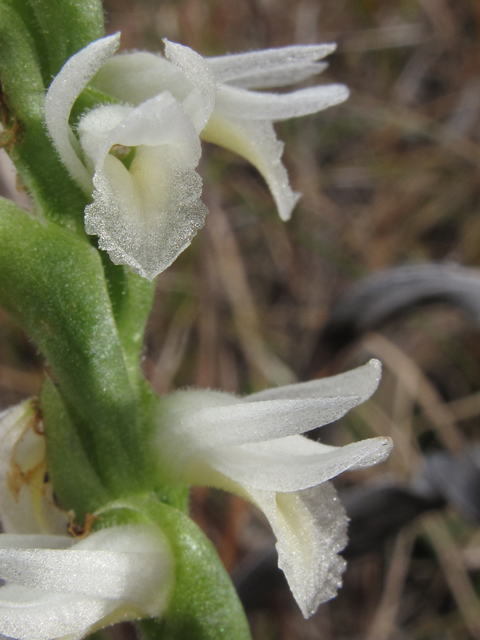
232	67
310	527
147	214
234	102
96	127
246	446
63	92
257	142
229	421
287	74
123	571
284	465
200	102
362	382
26	614
140	75
115	574
34	541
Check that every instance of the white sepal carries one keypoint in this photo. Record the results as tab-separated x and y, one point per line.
204	420
242	120
200	102
198	418
362	382
269	62
64	90
294	463
234	102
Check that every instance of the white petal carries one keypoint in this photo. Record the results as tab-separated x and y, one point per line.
146	215
310	527
149	577
257	142
26	614
95	128
115	574
156	122
63	92
208	419
91	573
124	563
243	65
290	73
200	102
139	76
362	382
234	102
26	503
292	465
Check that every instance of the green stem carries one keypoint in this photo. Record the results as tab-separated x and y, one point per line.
22	106
67	26
54	285
77	485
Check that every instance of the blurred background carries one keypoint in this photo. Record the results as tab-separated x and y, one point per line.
379	260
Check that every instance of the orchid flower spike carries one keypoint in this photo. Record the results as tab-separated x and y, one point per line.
57	588
139	157
253	447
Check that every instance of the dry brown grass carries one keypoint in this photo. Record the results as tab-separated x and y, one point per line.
389	178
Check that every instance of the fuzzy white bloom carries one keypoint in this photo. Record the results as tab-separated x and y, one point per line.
252	446
141	154
57	587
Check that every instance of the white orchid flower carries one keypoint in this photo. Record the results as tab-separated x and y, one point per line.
57	588
140	162
139	157
252	446
233	116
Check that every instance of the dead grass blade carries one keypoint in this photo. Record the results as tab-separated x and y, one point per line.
419	387
237	291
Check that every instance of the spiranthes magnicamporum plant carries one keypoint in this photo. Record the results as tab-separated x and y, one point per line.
107	146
